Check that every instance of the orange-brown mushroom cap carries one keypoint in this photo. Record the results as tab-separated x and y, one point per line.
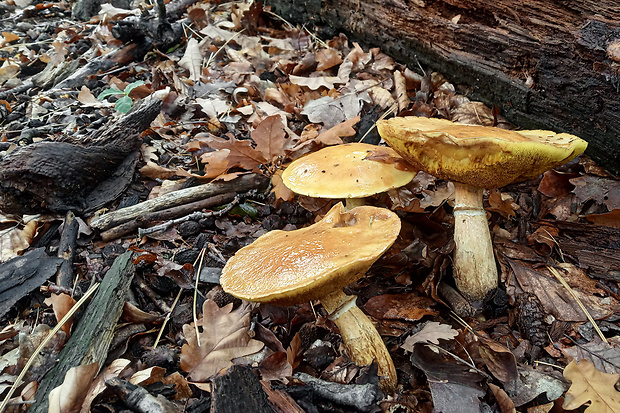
291	267
354	170
481	156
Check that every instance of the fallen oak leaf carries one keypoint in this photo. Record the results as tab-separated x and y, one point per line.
270	137
591	385
432	332
69	396
224	336
280	190
62	303
242	153
333	135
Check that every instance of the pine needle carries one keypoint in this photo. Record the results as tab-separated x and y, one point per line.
578	301
163	325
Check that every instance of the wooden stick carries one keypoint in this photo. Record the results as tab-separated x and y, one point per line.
183	196
66	251
165	214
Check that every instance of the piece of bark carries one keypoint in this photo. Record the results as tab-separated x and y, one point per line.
183	196
66	251
545	64
138	399
91	338
280	401
239	390
165	214
20	275
596	248
59	176
363	397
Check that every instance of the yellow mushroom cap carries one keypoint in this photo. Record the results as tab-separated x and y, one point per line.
343	171
482	156
292	267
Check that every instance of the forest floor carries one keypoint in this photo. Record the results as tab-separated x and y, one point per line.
243	93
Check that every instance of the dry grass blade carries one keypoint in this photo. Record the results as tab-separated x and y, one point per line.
163	325
51	334
392	109
197	275
578	301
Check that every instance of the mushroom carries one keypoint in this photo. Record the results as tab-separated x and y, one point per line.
348	172
476	157
316	262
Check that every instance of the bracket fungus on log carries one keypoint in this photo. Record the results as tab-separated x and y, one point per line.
316	262
474	158
351	171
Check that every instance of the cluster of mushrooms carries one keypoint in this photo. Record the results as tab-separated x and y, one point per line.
318	261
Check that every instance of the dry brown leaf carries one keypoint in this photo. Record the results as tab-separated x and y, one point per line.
133	314
8	71
279	189
9	37
192	59
181	386
593	386
270	137
154	171
15	240
241	153
408	307
499	360
314	83
215	163
327	59
502	203
69	396
556	184
224	336
148	376
603	191
505	404
332	135
432	332
609	219
62	303
98	385
86	98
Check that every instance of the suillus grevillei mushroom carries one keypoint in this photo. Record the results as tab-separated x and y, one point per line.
316	262
348	172
476	157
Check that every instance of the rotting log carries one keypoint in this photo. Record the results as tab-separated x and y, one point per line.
91	338
545	64
60	176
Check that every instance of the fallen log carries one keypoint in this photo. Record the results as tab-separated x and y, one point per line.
545	64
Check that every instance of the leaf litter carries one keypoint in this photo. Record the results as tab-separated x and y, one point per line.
243	93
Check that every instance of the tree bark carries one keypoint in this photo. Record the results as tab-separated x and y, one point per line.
545	64
91	338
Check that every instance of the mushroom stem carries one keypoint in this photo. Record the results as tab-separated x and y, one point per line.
475	271
350	203
360	337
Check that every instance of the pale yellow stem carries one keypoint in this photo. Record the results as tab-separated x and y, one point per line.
360	337
475	271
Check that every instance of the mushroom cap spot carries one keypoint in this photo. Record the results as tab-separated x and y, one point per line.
481	156
343	171
292	267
